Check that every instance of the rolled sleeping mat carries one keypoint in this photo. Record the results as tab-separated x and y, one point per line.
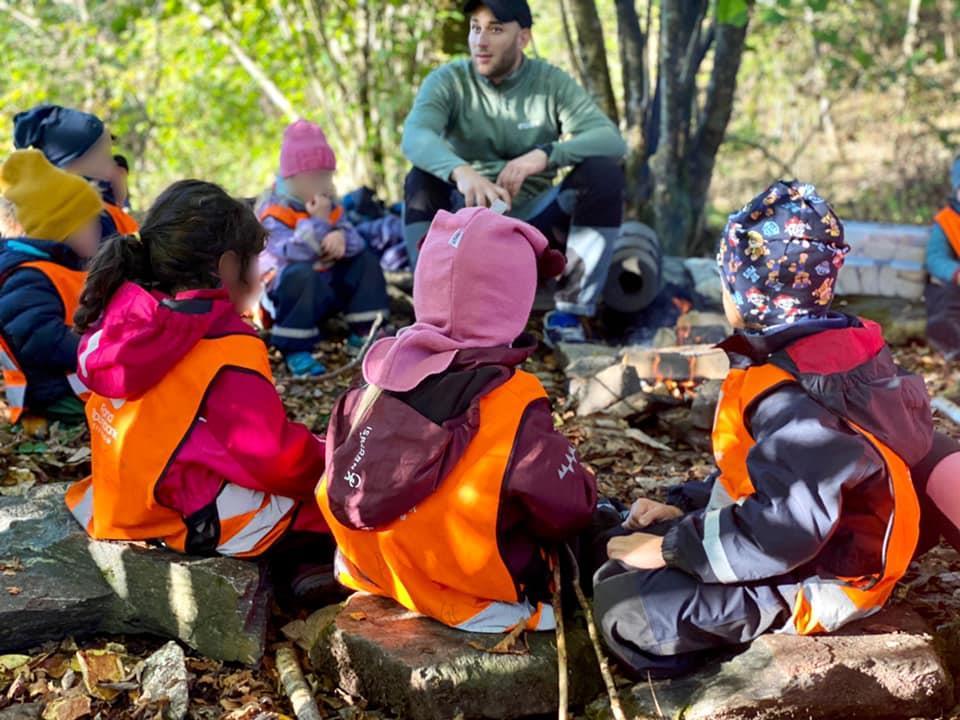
635	270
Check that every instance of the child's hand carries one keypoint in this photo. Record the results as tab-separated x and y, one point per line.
647	512
333	246
640	550
319	206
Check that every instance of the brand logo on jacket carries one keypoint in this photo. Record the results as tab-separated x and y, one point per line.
567	468
352	476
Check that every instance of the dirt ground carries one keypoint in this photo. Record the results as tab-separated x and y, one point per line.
625	468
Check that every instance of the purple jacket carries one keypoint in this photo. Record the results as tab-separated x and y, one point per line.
286	245
547	496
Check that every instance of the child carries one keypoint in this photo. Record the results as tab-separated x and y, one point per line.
79	143
191	444
447	481
943	264
41	275
316	264
812	517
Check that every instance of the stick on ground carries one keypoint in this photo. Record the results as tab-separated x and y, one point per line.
377	323
295	685
615	708
562	677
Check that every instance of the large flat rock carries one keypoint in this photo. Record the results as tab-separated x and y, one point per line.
71	585
883	667
423	670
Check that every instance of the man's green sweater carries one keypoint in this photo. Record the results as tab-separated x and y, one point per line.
462	118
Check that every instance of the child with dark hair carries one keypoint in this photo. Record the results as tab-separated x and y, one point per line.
79	143
191	443
316	264
812	516
55	230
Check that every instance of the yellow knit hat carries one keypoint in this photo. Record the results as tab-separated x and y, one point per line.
51	204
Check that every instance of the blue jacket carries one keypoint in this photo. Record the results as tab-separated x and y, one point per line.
942	261
31	318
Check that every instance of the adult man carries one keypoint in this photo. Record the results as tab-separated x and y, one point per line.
489	128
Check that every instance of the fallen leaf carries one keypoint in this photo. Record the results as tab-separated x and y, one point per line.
81	455
73	707
12	662
641	437
100	666
513	643
14	590
358	616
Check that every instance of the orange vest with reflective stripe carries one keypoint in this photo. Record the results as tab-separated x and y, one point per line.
68	284
125	224
290	217
134	440
823	604
441	559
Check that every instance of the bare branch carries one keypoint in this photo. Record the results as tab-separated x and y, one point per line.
270	89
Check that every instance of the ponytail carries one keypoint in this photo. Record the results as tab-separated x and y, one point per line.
185	233
119	259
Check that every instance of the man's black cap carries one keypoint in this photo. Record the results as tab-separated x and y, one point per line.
504	10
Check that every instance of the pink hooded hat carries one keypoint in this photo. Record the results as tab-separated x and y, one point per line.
474	288
305	148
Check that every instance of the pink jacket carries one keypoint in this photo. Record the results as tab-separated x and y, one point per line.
246	439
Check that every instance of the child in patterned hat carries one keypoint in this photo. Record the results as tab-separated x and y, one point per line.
812	517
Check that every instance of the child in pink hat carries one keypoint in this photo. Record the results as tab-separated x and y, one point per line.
447	481
315	263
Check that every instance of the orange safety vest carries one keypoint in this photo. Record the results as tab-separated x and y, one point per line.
823	604
68	284
290	217
949	221
125	224
441	558
134	440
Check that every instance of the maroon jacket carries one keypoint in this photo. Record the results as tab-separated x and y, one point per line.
547	496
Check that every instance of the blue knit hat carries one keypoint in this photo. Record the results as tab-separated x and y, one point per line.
63	134
780	255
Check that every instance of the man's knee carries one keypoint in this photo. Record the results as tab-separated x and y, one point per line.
424	194
599	183
601	173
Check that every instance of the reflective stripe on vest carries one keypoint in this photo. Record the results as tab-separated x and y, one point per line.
949	221
290	217
122	220
250	520
68	284
823	604
441	558
134	440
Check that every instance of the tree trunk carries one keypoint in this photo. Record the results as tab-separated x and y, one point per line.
635	100
593	55
721	92
671	198
572	45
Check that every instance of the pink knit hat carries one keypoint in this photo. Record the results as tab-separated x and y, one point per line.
305	148
474	287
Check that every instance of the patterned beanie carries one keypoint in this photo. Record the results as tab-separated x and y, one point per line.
780	255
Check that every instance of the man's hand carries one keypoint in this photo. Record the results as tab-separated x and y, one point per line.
640	550
476	189
319	206
645	512
515	173
333	246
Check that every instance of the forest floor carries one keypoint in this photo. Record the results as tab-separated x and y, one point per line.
625	469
